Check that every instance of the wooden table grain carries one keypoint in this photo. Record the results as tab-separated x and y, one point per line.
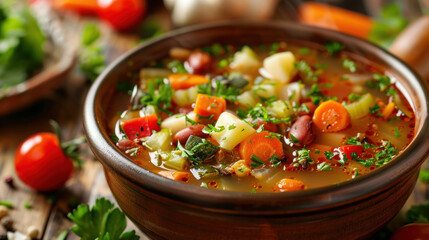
48	211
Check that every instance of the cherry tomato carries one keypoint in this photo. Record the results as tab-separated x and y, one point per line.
122	14
412	231
41	163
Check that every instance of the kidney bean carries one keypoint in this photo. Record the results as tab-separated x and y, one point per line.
199	63
303	130
184	134
311	107
268	126
127	144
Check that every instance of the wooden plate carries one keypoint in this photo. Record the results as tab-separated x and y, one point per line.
60	59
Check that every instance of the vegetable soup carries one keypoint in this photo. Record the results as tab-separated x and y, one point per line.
261	118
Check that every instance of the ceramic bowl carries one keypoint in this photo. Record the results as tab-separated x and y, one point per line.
165	209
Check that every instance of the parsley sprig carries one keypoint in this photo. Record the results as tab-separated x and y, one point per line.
102	221
160	98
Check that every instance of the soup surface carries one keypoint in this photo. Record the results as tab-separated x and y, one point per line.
269	118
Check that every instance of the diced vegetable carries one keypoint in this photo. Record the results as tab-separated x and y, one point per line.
280	109
361	107
184	81
349	149
200	148
263	145
160	140
388	110
204	171
323	15
175	175
281	66
247	99
178	122
80	6
185	97
331	116
140	127
264	91
291	92
289	185
209	106
245	60
234	130
175	161
240	169
401	106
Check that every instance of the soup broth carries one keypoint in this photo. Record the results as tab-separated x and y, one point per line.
263	118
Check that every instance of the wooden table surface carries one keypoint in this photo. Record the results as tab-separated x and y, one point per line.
48	211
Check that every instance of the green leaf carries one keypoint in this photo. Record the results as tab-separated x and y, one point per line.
90	34
103	221
418	213
424	176
389	25
333	47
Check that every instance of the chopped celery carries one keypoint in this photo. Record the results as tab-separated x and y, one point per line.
361	107
175	161
280	109
160	140
185	97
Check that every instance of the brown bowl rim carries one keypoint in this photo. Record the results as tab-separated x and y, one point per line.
320	198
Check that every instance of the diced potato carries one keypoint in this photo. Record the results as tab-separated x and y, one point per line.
240	168
178	122
265	90
235	130
245	60
291	92
247	99
185	97
281	66
160	140
280	109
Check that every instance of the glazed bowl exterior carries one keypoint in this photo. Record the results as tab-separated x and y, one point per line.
165	209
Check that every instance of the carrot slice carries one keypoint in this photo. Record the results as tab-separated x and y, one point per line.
176	176
322	15
331	116
185	81
388	110
289	185
80	6
207	105
263	145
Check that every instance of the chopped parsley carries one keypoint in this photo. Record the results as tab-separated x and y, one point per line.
424	176
160	98
303	158
333	47
307	74
188	120
256	161
317	96
349	64
375	110
212	128
354	97
304	50
260	112
176	66
294	139
324	166
274	160
379	82
397	133
353	141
